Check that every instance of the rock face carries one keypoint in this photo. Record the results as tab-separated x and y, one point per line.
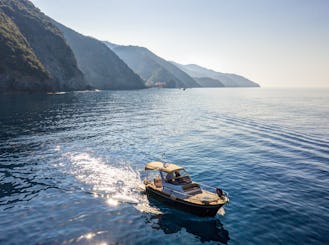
35	54
19	66
153	69
227	79
102	68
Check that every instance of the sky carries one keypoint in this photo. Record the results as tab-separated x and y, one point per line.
277	43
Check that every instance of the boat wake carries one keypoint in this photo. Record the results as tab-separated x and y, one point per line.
115	184
221	211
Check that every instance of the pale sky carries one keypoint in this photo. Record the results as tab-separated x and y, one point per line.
277	43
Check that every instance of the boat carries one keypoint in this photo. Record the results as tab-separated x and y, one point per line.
172	185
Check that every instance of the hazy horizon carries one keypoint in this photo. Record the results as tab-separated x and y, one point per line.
276	44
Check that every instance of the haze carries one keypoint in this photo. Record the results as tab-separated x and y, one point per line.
282	43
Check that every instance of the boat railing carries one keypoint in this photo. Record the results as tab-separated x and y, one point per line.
214	189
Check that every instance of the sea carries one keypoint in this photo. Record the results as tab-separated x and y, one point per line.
72	165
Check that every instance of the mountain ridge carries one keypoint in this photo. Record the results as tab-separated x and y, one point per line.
39	54
158	71
102	68
228	79
152	68
208	82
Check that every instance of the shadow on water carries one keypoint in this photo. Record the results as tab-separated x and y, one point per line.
206	229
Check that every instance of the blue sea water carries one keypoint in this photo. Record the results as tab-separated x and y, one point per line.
71	165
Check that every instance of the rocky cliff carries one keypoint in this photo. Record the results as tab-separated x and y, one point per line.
36	56
20	69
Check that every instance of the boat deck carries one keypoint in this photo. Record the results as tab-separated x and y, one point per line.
203	198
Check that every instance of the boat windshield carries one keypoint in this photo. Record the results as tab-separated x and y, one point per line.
178	177
180	173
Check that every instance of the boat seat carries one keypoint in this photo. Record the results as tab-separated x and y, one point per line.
192	188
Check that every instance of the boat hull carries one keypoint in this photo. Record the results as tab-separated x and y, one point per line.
197	209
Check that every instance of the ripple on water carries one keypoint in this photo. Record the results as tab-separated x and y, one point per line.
71	165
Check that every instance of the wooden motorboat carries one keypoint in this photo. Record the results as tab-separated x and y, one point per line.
172	185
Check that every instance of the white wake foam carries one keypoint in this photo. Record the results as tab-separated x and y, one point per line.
116	184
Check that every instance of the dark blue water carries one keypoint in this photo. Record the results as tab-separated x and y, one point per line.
71	165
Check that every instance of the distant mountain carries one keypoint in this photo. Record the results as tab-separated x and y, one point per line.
102	68
34	55
153	69
227	79
39	54
208	82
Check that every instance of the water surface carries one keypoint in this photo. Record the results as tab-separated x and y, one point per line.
71	165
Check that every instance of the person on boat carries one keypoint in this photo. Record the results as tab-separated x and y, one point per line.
177	174
169	177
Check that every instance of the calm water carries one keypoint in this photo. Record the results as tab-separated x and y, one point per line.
71	164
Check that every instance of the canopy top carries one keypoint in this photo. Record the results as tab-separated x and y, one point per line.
165	167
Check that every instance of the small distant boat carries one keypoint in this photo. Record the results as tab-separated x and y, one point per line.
172	185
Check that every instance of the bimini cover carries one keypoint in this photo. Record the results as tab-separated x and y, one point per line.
165	167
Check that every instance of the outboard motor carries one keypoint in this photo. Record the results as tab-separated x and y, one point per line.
219	192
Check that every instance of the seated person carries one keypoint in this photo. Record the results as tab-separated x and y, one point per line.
157	182
177	174
169	178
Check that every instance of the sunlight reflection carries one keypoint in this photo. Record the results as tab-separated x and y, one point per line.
89	235
115	184
112	202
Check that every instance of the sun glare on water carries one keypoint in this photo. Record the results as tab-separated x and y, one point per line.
115	184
